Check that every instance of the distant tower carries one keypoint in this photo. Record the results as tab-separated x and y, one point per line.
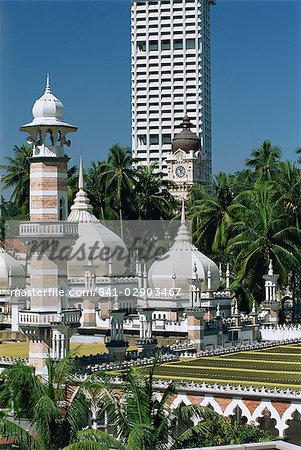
185	166
48	324
171	74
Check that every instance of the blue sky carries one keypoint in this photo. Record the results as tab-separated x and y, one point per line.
86	48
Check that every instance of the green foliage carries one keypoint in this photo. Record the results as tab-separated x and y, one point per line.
251	217
139	420
16	176
52	418
244	218
223	431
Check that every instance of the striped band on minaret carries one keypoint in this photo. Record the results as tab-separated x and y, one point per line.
48	189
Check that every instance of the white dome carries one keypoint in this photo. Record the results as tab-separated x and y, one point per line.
10	267
183	261
90	234
48	107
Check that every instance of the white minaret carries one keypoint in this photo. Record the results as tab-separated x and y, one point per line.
49	323
48	164
171	75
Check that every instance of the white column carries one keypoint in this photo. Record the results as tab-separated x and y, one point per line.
228	276
15	317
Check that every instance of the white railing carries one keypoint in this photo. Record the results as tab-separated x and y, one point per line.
280	332
244	391
48	229
36	318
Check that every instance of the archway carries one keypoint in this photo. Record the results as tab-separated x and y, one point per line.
293	432
238	416
267	423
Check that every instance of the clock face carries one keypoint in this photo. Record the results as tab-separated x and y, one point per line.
180	171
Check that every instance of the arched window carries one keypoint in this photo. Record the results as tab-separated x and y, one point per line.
49	141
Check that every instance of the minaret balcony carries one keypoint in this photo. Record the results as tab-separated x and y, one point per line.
48	230
70	317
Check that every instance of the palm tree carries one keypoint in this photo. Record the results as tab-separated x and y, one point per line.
209	214
261	232
289	187
96	188
72	187
298	151
153	199
118	177
43	407
16	176
139	420
264	159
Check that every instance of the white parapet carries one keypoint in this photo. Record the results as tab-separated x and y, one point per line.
280	332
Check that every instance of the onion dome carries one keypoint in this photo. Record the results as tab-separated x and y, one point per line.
186	140
181	264
93	235
12	274
48	110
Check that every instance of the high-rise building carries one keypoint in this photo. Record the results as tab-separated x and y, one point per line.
170	76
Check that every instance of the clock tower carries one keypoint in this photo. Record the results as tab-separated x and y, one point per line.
185	164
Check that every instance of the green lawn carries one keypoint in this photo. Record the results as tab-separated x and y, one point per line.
273	367
21	349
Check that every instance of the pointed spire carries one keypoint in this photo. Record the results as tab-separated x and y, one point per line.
220	271
271	271
183	212
81	174
228	277
47	89
81	210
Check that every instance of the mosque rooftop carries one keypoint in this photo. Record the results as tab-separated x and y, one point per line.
275	367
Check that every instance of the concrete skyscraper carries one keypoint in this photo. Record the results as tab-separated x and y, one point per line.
170	76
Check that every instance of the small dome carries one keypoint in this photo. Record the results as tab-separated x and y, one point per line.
48	110
186	140
48	106
183	261
92	235
12	274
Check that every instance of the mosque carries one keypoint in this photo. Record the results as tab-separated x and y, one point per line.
182	298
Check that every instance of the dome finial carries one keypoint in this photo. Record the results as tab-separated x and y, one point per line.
186	121
47	90
81	174
183	212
